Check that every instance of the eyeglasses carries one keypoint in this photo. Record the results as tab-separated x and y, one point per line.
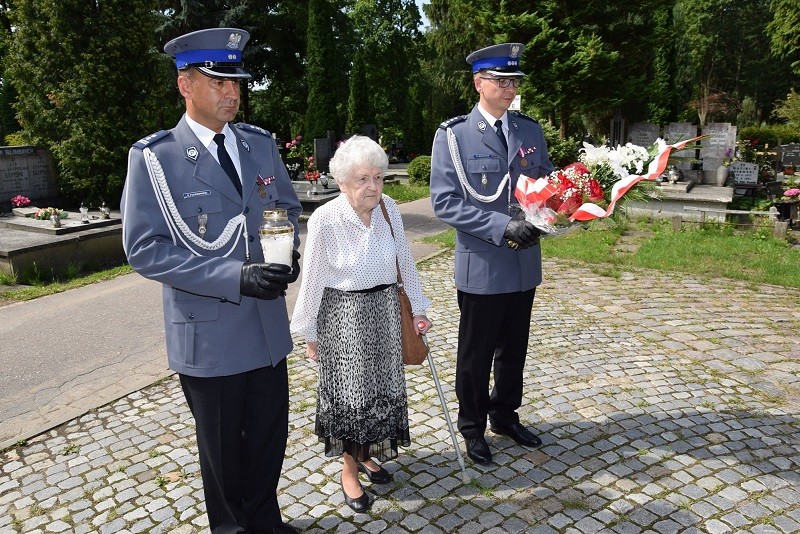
504	83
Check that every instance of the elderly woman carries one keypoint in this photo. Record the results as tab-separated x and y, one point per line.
349	312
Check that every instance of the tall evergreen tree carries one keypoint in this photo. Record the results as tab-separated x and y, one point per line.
8	123
783	30
388	30
321	113
84	73
358	108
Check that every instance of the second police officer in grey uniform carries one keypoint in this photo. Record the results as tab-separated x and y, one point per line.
476	161
192	207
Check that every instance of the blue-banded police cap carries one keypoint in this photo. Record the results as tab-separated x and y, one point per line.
216	52
499	60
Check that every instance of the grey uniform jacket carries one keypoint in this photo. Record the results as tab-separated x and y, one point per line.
484	264
211	330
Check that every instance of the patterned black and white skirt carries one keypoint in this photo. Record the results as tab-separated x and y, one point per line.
362	407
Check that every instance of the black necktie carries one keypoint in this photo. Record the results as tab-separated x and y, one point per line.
499	124
227	163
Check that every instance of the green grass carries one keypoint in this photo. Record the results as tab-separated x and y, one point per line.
711	250
36	291
402	192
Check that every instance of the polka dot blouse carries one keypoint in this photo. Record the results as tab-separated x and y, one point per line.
343	253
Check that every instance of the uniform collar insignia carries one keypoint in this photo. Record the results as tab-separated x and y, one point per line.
514	124
482	126
192	153
245	145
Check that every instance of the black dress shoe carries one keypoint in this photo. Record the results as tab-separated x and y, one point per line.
359	504
518	433
478	450
381	476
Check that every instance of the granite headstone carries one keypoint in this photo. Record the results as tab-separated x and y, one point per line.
26	171
643	133
720	144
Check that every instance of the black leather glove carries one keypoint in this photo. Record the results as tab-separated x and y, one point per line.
295	266
265	280
522	233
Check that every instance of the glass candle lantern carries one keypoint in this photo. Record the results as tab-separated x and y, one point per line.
277	237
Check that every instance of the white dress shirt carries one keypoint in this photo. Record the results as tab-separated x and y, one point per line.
206	136
343	253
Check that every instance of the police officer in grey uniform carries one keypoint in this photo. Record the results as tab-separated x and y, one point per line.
191	210
476	161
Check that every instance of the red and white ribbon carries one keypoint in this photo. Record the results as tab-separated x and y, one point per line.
589	211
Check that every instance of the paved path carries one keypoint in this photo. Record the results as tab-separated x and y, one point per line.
69	353
666	404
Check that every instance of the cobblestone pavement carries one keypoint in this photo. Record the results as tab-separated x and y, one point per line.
666	404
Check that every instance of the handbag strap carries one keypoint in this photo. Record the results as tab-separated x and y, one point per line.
396	262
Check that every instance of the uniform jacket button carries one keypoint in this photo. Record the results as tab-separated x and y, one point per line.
251	238
191	316
199	209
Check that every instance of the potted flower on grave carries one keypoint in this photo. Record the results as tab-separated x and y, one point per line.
20	201
311	172
294	157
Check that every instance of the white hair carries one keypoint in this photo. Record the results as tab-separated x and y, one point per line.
358	151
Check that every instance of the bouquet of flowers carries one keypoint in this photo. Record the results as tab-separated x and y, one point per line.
45	213
293	147
590	188
19	201
311	169
791	194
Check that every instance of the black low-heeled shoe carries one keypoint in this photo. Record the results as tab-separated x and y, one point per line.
359	504
381	476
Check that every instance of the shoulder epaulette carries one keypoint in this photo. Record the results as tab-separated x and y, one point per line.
150	139
253	128
455	120
522	115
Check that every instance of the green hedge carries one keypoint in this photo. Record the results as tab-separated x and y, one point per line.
419	170
770	135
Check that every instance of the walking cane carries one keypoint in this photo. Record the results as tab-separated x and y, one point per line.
464	477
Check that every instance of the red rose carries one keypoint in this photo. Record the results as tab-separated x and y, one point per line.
595	191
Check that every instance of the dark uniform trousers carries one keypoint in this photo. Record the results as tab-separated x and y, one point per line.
493	328
240	466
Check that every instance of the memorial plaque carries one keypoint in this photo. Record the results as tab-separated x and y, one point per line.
720	143
643	133
26	171
744	172
790	154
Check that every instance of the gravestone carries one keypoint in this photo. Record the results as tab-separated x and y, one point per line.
790	154
617	128
744	172
322	154
675	132
371	131
643	133
26	171
720	144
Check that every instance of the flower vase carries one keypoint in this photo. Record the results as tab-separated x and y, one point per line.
722	175
56	220
313	189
